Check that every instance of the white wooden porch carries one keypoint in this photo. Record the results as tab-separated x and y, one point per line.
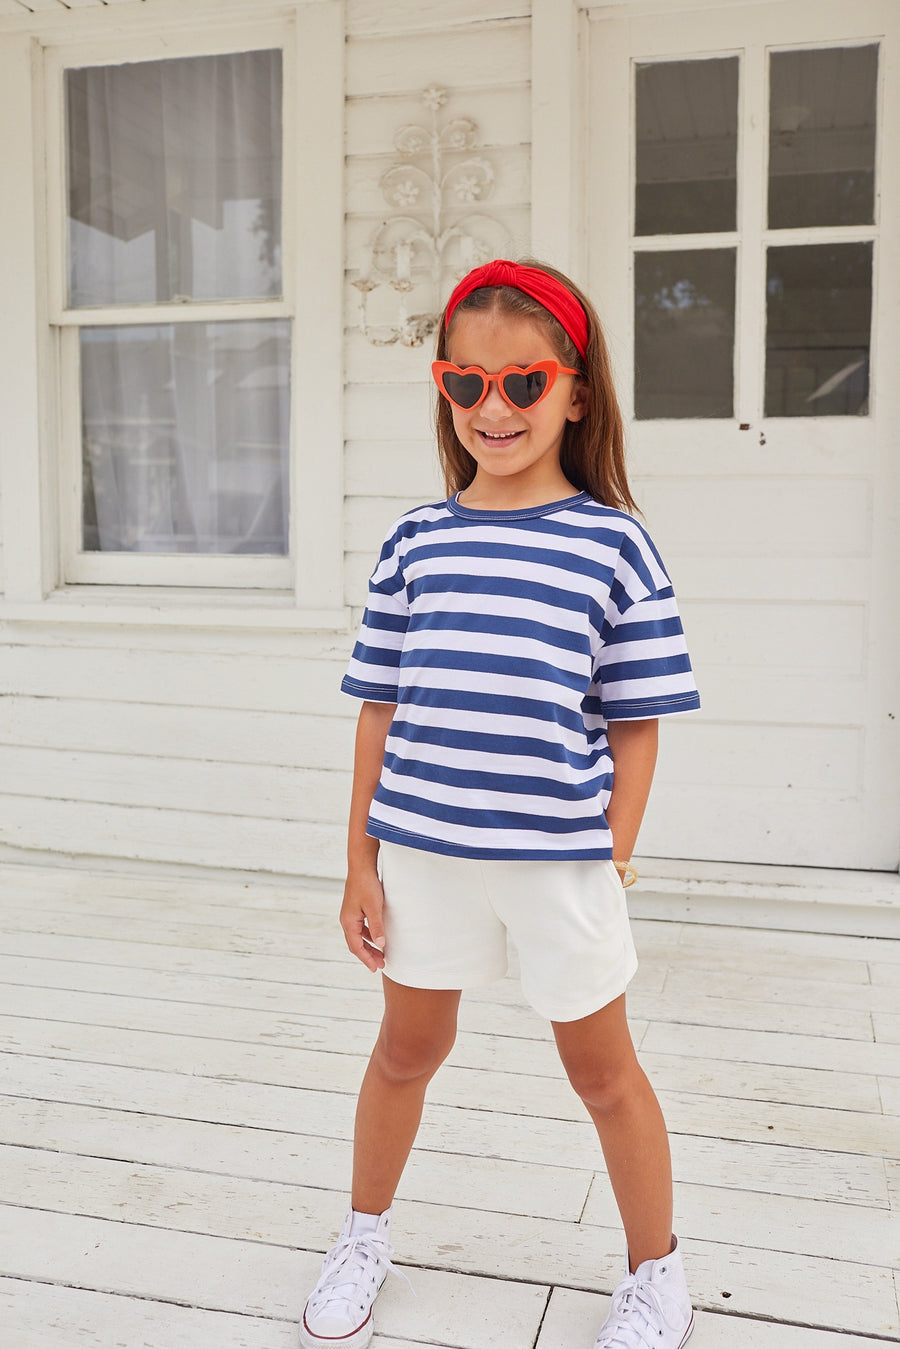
180	1067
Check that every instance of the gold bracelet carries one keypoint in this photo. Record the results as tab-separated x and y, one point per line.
627	872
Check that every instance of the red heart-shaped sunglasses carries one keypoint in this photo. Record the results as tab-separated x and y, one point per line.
522	388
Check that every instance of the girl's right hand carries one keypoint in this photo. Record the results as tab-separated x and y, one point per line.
362	919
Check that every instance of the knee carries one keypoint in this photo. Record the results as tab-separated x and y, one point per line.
405	1056
605	1087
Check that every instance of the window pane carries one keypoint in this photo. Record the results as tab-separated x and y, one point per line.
174	179
684	333
817	330
686	146
822	137
185	437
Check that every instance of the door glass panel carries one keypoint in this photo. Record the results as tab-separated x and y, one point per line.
818	317
185	435
684	333
174	179
822	137
686	146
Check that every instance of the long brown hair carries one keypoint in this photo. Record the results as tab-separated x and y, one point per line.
592	455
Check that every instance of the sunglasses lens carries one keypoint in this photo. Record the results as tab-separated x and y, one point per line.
464	390
524	390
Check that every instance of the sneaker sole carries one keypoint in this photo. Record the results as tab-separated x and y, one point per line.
357	1339
688	1333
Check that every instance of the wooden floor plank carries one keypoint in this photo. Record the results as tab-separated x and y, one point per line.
165	1002
745	1080
884	972
805	1226
786	992
47	1316
299	1158
251	1278
181	1058
764	942
892	1171
316	982
314	933
331	1054
772	1047
573	1317
456	1129
501	1246
73	1126
565	1137
311	1023
887	1027
825	1129
734	957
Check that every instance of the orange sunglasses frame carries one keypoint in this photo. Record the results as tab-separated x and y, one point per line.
552	370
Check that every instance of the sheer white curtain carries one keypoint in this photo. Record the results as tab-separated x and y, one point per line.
175	196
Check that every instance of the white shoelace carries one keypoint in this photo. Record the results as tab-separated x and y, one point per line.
351	1271
642	1318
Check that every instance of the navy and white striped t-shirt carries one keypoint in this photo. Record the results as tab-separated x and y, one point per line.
508	640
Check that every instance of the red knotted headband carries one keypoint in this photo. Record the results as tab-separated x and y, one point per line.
549	292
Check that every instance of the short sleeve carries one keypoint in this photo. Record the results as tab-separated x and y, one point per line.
373	672
643	669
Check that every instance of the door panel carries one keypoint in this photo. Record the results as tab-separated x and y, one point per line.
765	461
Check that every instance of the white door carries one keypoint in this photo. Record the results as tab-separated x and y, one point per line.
743	160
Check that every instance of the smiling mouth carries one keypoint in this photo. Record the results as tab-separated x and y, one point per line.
500	437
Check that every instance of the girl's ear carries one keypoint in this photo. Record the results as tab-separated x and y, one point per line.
579	403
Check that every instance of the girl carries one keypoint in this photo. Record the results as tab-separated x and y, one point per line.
520	641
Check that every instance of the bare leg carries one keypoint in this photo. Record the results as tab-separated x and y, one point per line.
599	1058
417	1034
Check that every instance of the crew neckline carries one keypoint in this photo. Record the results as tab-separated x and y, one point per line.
523	513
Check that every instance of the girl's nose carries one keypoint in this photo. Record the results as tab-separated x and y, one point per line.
495	405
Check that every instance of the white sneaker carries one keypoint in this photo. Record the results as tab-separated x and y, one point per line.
651	1307
338	1314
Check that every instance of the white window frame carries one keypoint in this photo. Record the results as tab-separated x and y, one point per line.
48	576
613	232
752	236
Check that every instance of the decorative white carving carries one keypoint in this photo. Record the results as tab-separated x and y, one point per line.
445	241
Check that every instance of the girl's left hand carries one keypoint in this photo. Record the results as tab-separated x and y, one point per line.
362	921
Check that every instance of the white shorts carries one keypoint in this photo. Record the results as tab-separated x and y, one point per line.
447	918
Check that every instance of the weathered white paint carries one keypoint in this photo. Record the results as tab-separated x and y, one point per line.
183	1059
558	124
23	433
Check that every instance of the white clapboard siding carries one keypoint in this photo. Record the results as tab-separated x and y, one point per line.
235	790
369	517
199	838
213	756
400	16
222	735
483	55
414	463
389	410
181	678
